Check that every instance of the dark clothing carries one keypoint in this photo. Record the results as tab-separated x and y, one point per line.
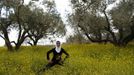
55	60
56	56
49	65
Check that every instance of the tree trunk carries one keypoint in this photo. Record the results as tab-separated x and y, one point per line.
35	42
128	39
7	41
19	43
17	46
9	46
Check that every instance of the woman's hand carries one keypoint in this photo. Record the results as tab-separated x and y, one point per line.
67	56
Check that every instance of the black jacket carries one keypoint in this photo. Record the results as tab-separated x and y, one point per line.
56	56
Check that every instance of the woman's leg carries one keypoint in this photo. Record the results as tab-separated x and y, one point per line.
48	66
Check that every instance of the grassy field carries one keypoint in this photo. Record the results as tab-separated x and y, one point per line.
85	59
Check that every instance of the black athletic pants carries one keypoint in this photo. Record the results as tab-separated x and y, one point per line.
49	65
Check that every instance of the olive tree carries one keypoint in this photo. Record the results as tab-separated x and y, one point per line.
99	25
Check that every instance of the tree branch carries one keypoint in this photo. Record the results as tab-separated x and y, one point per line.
13	42
30	43
2	37
108	28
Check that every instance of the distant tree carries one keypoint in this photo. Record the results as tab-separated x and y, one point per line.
123	22
20	19
86	19
37	25
45	23
30	22
5	22
99	25
77	38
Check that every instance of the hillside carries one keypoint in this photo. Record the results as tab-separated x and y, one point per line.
85	59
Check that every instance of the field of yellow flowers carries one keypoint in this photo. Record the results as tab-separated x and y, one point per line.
85	59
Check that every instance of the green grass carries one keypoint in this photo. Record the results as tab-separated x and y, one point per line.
85	59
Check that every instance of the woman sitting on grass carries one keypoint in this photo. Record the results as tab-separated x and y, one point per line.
57	53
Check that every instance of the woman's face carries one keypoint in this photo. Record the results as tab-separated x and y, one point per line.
58	43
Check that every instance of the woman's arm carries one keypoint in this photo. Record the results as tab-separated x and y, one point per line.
48	58
65	52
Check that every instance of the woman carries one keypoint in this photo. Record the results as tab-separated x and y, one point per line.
57	53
